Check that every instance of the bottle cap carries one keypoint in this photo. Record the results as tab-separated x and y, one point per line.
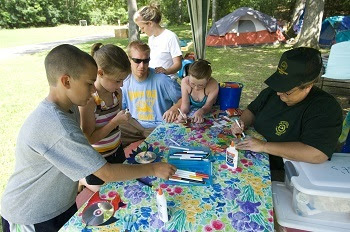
160	192
232	144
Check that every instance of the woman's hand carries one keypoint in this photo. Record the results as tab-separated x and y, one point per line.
236	129
251	144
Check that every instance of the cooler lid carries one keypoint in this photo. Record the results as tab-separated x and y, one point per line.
329	177
286	216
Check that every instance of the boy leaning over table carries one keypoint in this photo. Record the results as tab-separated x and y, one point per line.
52	153
299	121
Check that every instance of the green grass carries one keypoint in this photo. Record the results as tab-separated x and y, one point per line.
23	84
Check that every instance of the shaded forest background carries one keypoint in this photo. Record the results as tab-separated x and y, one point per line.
43	13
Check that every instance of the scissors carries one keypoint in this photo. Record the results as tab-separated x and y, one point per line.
129	221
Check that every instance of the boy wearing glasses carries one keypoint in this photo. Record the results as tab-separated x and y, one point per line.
299	121
149	96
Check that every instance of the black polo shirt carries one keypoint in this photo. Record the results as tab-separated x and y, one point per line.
315	121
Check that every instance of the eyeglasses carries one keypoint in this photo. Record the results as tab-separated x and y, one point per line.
290	92
138	61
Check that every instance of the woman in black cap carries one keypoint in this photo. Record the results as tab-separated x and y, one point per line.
299	121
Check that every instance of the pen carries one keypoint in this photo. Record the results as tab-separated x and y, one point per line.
243	135
182	115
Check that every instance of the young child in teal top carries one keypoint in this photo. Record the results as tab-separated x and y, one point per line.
199	91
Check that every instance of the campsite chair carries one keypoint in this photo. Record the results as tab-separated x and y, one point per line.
186	62
345	135
337	75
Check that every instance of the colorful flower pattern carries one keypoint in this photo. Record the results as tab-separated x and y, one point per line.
238	200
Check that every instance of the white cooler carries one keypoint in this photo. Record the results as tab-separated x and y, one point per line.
317	194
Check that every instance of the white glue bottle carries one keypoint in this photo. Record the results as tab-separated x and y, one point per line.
232	156
162	206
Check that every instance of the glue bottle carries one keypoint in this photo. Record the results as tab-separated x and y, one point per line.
162	206
232	156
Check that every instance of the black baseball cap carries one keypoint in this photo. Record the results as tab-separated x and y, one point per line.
296	67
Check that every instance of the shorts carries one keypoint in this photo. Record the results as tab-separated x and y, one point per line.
51	225
117	157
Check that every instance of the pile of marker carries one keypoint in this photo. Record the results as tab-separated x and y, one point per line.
189	177
187	154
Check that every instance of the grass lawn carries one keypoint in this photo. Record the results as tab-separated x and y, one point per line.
23	84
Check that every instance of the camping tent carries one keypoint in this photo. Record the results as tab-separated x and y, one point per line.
244	26
335	29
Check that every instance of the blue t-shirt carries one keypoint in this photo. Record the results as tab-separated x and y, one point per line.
148	100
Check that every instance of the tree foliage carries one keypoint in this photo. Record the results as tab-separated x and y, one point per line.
37	13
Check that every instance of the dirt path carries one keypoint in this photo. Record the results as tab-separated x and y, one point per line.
7	53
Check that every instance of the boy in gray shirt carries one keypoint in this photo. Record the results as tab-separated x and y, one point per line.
52	153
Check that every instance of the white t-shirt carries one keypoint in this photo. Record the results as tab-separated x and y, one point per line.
164	48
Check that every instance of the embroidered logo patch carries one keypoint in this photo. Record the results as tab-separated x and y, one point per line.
283	67
281	128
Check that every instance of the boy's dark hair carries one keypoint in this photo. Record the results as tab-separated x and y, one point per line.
66	59
110	58
139	46
200	69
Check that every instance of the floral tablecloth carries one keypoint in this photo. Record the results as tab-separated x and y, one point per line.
238	200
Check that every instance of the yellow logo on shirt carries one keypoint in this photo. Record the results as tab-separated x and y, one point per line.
144	102
281	128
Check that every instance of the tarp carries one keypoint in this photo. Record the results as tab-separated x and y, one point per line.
199	12
244	26
331	27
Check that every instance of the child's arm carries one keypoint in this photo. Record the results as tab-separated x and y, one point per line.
185	103
121	172
88	122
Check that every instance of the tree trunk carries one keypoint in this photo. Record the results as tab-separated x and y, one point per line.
133	28
311	29
179	20
299	5
213	11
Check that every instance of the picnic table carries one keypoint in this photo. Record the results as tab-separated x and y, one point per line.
237	200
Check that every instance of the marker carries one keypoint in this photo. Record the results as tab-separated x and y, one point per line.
177	144
184	158
190	177
185	180
127	111
196	152
182	115
186	155
192	173
144	182
243	135
181	148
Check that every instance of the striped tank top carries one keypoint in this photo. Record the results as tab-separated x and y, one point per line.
104	114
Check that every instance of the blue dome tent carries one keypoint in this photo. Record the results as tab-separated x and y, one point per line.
335	29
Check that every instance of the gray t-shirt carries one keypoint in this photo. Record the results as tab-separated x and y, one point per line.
52	154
